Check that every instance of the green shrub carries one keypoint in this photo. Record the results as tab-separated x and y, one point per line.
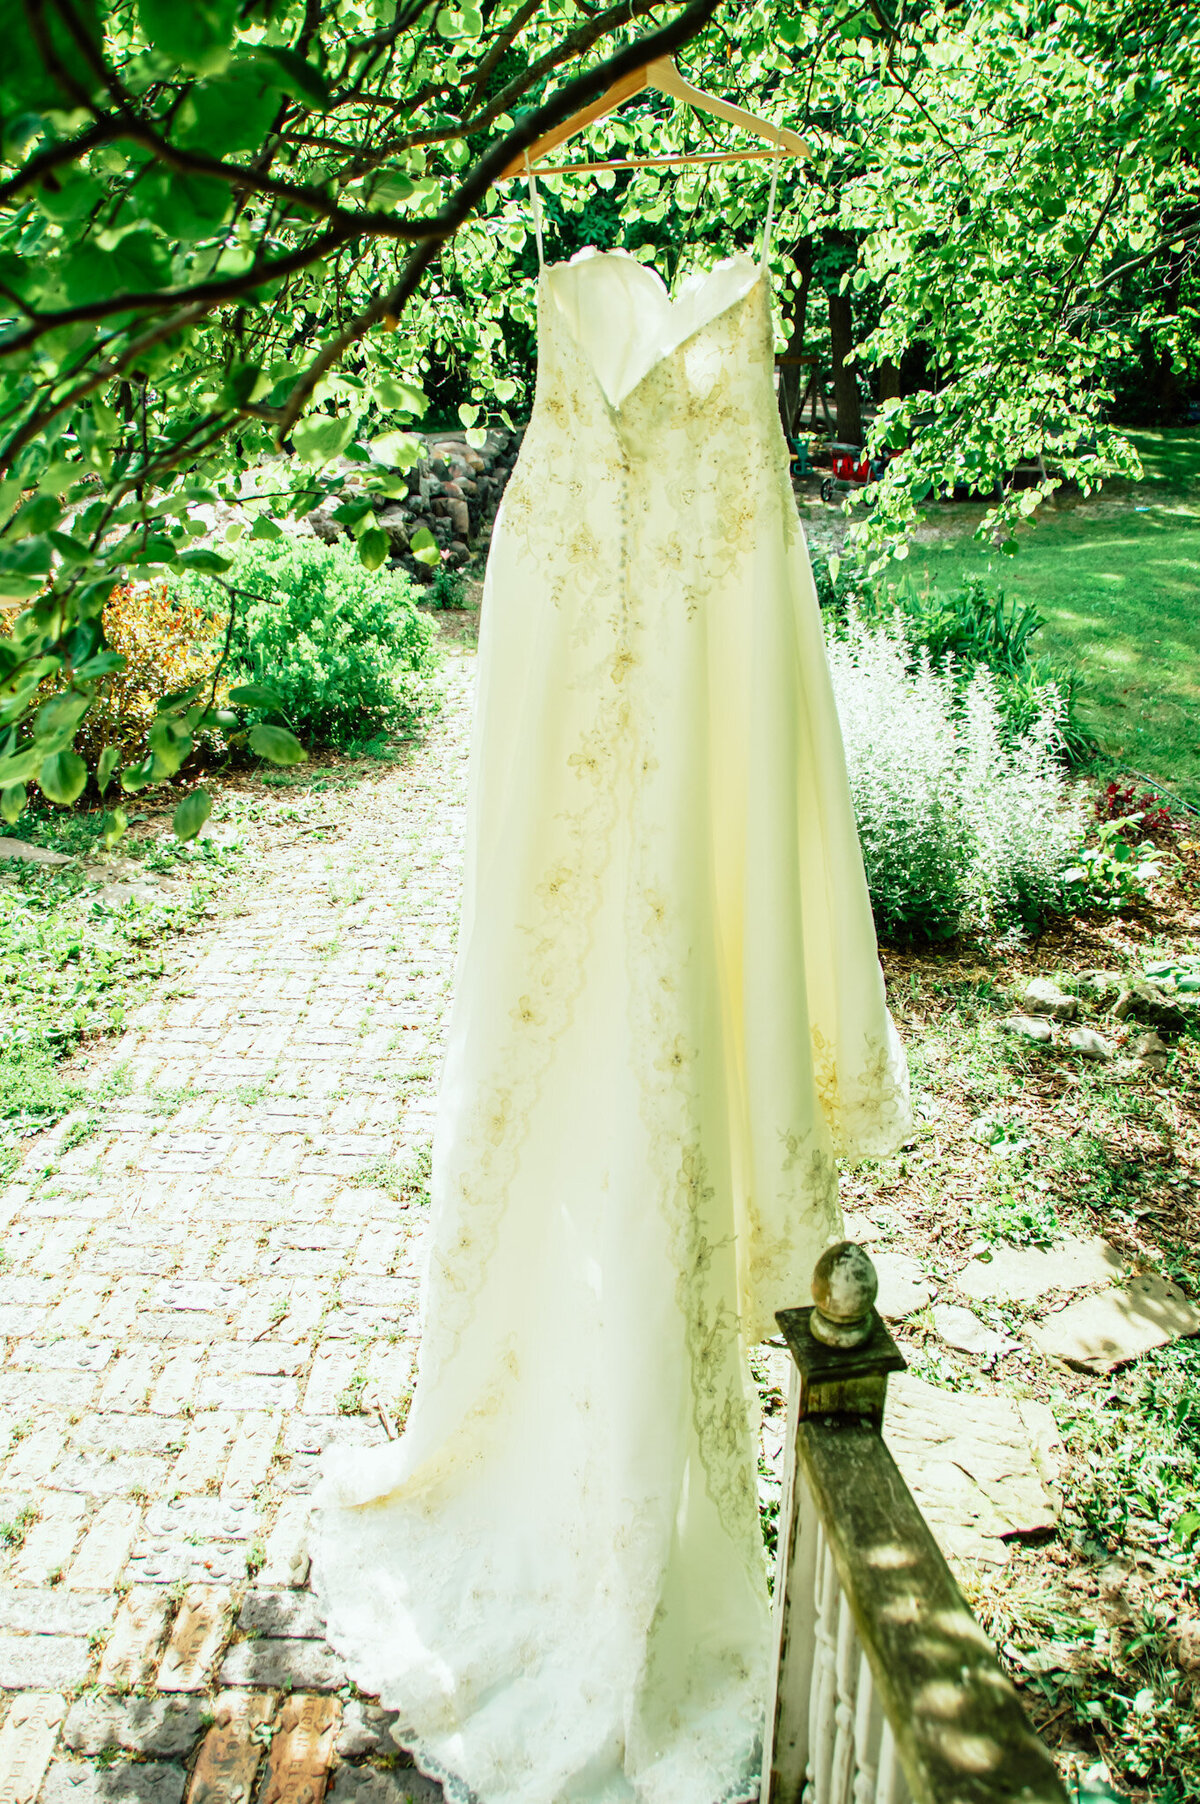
448	589
344	648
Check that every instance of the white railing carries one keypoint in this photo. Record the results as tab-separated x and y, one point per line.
887	1691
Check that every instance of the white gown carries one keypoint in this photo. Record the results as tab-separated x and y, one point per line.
669	1020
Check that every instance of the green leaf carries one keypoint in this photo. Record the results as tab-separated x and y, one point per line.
158	549
12	801
114	826
137	776
1187	1528
191	814
277	745
62	778
105	663
20	765
210	563
186	207
265	528
29	557
139	264
67	198
404	397
169	742
32	82
58	718
230	112
319	438
468	412
424	547
19	588
293	75
110	757
373	547
392	188
37	515
400	449
256	695
71	551
196	35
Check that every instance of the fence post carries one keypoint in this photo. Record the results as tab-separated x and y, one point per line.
841	1357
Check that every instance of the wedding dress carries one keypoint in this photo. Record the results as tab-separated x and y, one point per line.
669	1020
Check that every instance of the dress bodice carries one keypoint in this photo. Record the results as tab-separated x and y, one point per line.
652	410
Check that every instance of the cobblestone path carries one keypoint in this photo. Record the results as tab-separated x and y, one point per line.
203	1293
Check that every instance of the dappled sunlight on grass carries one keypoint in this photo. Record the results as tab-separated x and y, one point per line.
1116	576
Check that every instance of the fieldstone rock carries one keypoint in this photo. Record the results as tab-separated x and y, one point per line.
903	1285
395	521
24	853
981	1467
1043	997
1104	1331
1022	1274
1187	1644
323	526
460	519
1028	1027
366	1729
1089	1044
1145	1002
1150	1052
962	1328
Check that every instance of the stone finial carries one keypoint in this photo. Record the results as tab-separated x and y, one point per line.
844	1287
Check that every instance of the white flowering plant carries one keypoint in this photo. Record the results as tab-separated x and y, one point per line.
965	826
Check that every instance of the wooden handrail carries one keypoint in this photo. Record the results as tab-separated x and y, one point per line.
886	1687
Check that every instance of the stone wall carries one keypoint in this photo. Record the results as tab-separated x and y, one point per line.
454	490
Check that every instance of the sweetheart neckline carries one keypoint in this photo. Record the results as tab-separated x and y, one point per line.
589	255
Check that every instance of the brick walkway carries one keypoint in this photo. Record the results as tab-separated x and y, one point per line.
200	1297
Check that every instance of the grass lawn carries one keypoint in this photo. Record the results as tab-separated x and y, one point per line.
1117	577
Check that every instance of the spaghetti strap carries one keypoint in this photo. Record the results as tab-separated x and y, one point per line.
766	237
536	207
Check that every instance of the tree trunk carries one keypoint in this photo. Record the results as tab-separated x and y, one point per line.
791	376
846	398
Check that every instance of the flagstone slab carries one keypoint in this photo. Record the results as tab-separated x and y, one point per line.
903	1285
961	1328
981	1466
1023	1274
1101	1332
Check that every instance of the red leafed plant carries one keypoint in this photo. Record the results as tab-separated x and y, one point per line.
1118	801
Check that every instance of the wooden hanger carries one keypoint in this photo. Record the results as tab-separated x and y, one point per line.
665	77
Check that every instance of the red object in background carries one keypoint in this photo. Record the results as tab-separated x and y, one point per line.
850	464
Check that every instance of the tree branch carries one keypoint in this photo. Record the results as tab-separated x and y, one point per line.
567	100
